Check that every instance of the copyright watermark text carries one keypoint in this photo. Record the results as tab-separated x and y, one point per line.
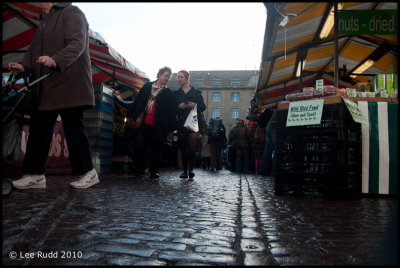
62	254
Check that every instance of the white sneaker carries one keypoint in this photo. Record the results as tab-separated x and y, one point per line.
88	179
30	182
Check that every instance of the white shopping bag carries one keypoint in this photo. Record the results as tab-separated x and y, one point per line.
191	122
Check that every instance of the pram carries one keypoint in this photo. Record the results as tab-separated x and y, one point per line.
14	106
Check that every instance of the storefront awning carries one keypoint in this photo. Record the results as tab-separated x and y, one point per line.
297	40
20	20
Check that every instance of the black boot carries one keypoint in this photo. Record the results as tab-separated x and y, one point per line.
191	174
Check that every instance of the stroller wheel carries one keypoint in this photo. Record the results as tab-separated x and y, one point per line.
7	187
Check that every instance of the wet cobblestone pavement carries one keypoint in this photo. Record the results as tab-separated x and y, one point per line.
218	218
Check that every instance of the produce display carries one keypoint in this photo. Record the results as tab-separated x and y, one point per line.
383	86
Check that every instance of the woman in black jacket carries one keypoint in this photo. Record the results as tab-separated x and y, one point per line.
155	100
187	97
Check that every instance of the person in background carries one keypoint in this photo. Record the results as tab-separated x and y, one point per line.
129	133
258	147
231	157
251	126
154	99
241	142
205	151
187	97
61	44
217	141
267	161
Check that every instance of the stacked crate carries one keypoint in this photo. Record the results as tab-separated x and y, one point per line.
319	160
99	124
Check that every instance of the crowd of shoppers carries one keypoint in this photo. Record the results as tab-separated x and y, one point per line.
153	115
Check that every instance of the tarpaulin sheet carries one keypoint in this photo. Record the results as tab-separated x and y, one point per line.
285	46
20	20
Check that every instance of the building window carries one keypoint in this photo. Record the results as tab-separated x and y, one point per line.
216	96
235	97
217	81
199	81
216	112
235	113
235	81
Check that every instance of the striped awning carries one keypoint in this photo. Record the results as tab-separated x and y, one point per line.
286	47
20	20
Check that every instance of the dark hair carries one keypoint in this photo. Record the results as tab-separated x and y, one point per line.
163	70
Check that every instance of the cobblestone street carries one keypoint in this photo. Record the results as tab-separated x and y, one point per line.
217	218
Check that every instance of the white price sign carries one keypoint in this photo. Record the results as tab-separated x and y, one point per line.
305	113
319	84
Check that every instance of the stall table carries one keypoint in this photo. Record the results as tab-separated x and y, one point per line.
379	143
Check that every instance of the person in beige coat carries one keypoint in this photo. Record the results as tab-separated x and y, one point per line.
61	44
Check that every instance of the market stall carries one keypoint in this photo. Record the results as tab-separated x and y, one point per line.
310	45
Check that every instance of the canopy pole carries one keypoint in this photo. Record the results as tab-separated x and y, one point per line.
335	30
113	77
301	75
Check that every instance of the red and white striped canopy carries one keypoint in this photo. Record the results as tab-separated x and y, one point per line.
20	20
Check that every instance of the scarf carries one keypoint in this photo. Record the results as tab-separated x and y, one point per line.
155	90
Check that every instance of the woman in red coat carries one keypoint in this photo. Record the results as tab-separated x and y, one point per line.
156	100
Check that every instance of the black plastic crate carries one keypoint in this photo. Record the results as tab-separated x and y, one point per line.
319	160
317	146
316	168
314	191
298	190
328	134
349	157
338	187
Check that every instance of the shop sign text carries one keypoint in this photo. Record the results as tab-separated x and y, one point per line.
375	22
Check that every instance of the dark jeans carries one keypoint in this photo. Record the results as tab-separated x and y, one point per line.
128	148
242	160
143	141
267	164
187	143
41	134
206	163
215	149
